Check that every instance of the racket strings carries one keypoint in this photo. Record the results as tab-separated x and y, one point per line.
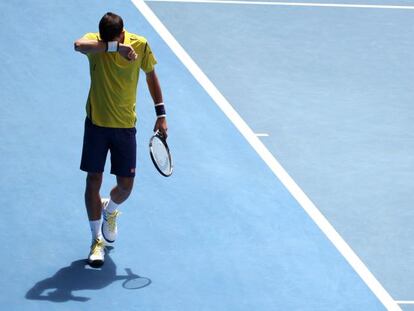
161	155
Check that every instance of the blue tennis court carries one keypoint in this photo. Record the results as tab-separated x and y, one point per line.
291	130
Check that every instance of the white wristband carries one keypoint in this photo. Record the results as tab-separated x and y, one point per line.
112	46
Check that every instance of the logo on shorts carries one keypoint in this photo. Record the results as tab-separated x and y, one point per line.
133	170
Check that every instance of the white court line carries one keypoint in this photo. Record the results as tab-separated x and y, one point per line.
268	158
302	4
262	135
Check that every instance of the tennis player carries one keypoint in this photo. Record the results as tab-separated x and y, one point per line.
115	59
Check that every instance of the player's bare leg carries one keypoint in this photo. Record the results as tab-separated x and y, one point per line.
92	197
94	208
119	194
122	190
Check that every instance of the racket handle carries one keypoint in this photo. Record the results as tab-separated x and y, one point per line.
158	133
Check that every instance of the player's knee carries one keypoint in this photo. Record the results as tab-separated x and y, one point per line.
125	191
126	188
93	181
125	185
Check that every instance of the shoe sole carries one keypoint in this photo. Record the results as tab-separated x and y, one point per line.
96	263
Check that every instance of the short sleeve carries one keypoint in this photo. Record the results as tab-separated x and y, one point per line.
148	60
91	36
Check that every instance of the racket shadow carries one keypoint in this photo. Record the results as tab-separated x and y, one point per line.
79	276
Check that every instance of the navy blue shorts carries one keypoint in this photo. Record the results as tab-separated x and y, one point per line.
120	141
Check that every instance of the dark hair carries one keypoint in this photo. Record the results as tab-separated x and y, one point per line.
110	26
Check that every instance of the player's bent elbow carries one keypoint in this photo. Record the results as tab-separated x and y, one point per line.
77	46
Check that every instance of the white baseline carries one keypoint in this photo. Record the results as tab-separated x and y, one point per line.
269	159
297	4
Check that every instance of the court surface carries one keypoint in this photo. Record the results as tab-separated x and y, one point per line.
328	88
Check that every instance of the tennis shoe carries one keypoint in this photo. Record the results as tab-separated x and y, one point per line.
109	227
97	254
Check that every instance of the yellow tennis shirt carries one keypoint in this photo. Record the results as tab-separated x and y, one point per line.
113	91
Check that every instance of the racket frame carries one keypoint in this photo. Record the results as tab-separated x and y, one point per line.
158	135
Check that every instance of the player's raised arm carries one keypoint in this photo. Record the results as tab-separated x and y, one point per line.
85	46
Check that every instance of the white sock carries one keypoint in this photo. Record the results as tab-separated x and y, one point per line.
96	229
112	206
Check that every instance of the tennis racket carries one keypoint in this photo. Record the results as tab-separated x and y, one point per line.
160	154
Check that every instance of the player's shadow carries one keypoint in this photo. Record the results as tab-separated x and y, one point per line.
79	276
